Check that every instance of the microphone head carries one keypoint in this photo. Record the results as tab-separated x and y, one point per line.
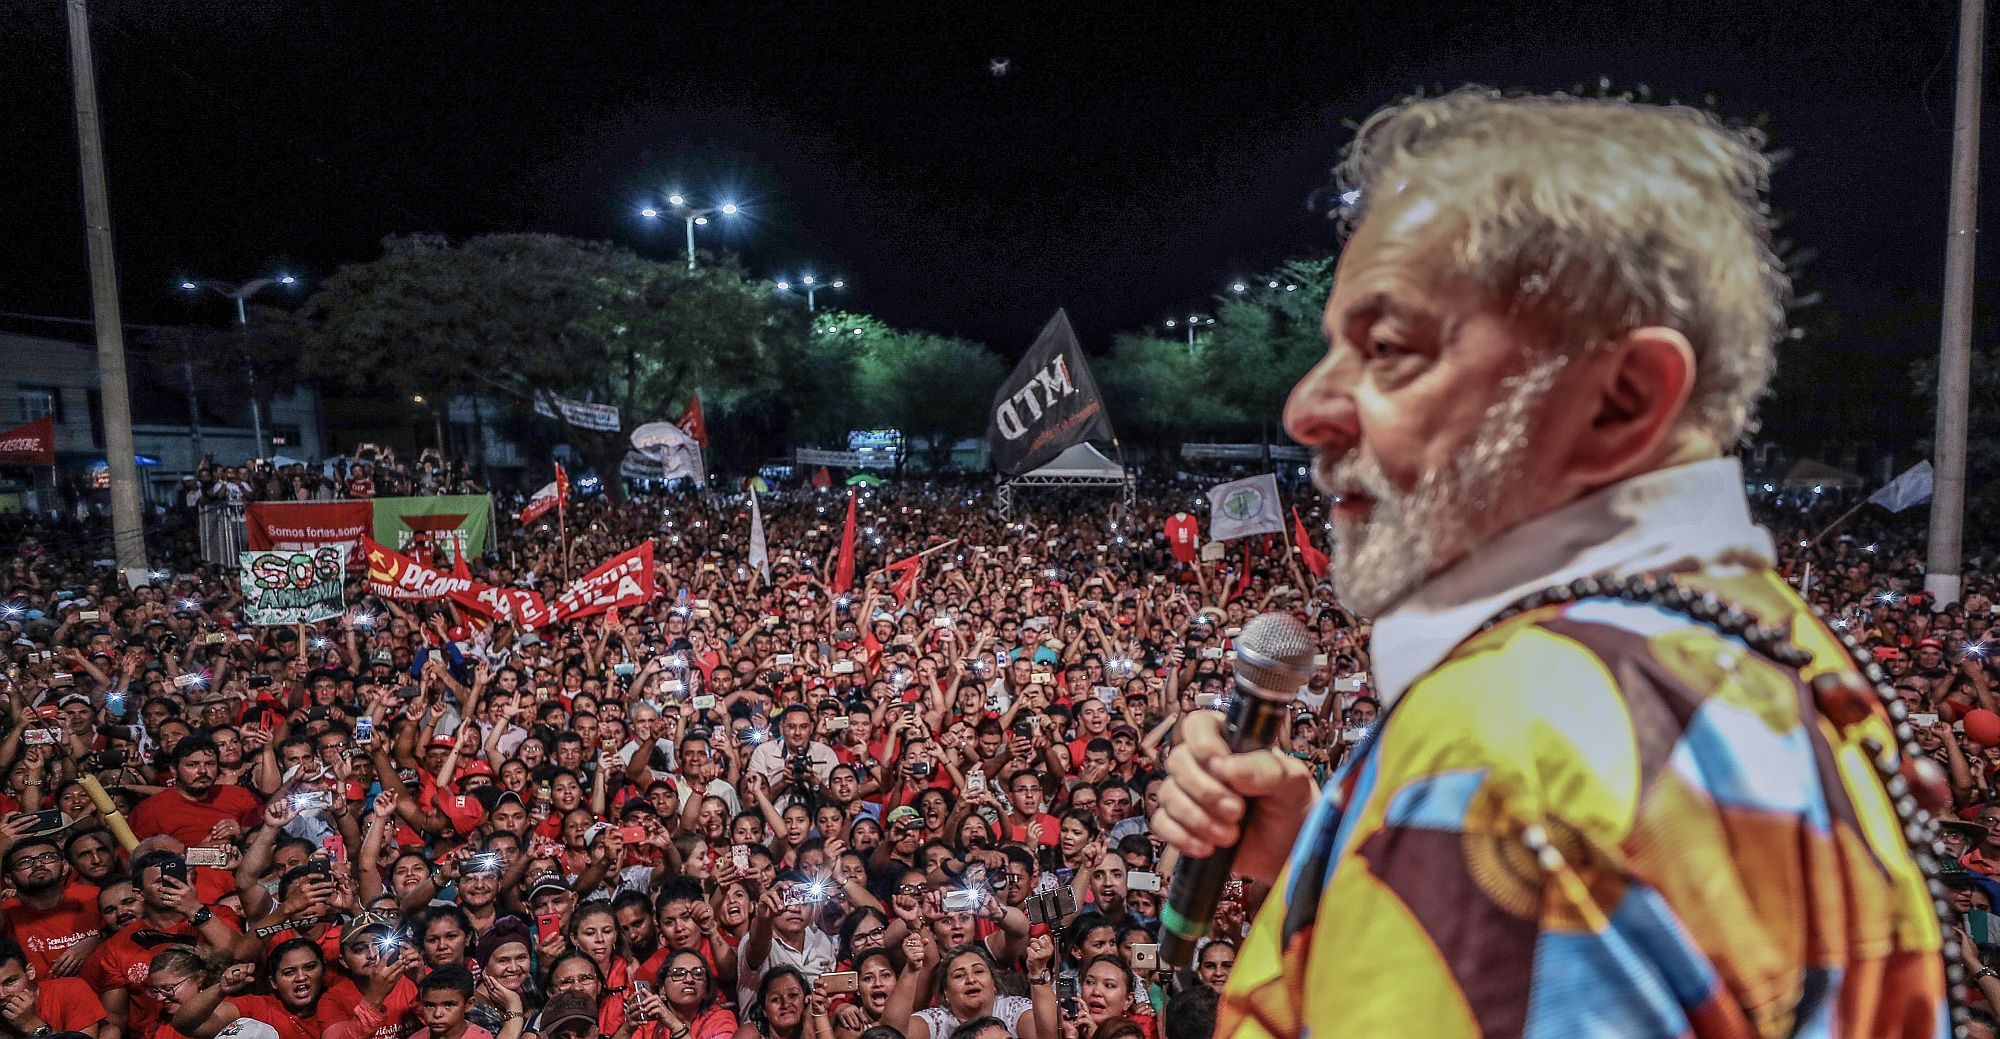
1274	655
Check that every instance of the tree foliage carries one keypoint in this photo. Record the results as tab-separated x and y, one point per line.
507	315
933	388
1232	382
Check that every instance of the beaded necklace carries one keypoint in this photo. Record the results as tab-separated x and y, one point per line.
1917	787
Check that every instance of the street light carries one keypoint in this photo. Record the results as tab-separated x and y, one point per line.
1193	321
437	420
812	285
693	215
239	293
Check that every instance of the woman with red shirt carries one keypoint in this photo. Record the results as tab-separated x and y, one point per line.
297	977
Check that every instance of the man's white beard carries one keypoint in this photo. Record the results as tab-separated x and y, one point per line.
1411	535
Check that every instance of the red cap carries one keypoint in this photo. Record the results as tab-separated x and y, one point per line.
475	767
444	740
1929	644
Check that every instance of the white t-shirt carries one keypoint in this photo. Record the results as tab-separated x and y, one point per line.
812	961
631	747
771	758
1008	1009
716	787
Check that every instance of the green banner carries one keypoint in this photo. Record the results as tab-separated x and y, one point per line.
457	522
294	586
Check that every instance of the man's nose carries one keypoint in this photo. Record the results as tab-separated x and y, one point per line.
1320	412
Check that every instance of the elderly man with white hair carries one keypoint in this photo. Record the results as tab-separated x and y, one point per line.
1625	783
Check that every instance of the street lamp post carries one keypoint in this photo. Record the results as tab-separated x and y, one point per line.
693	215
437	421
1192	321
239	293
812	285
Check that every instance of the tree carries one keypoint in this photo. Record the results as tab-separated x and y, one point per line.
1159	391
512	314
929	387
1266	339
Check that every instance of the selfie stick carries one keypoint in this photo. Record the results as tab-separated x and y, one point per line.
113	818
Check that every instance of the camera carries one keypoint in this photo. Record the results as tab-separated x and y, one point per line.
961	900
806	894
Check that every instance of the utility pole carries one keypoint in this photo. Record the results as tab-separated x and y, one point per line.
128	531
1942	569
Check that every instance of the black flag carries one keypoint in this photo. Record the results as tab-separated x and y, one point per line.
1049	403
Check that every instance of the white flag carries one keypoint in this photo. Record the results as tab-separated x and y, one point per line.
1241	508
1911	488
759	556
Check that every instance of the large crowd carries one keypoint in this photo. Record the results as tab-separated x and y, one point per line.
756	807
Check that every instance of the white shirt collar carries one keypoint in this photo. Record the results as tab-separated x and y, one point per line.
1688	515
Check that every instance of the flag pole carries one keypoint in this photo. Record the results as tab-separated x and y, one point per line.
920	555
562	535
1837	521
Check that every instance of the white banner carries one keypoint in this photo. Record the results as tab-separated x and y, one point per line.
669	447
1911	488
1242	508
760	556
844	459
1243	452
582	415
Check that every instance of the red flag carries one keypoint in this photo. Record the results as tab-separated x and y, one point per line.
394	575
907	571
1315	560
822	480
459	567
843	572
692	423
552	495
626	580
518	606
544	500
30	443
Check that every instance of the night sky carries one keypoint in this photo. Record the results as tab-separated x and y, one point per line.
1135	158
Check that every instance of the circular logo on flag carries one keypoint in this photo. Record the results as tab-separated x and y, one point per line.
1243	503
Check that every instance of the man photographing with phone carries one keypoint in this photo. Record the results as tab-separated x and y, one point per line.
1623	777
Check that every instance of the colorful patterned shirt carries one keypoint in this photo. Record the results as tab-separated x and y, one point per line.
1603	819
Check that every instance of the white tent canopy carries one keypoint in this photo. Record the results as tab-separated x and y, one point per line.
1078	462
1080	465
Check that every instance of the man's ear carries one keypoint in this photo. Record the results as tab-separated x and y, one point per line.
1640	385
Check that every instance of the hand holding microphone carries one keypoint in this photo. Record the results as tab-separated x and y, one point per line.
1219	768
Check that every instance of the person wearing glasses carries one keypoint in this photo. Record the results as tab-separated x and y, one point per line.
685	1007
57	925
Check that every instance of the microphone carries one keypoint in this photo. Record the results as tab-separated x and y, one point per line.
1274	657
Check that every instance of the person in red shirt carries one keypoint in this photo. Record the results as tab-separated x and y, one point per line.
170	912
296	1009
197	810
30	1003
1028	794
57	925
374	986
